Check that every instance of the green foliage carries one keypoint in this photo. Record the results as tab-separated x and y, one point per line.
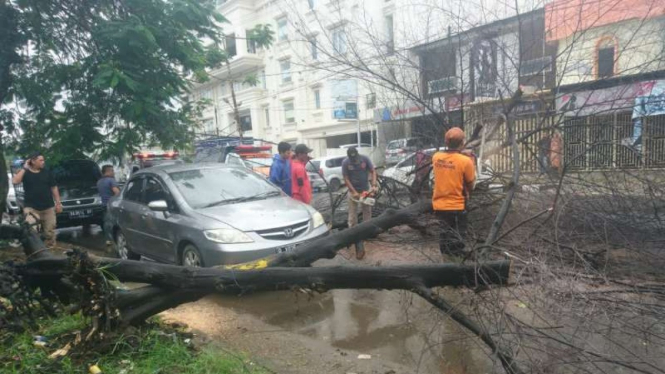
262	35
149	350
103	76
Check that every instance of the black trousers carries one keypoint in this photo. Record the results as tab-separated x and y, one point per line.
452	225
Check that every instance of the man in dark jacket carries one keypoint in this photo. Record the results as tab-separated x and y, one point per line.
280	170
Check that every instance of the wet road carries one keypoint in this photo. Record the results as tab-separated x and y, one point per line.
296	332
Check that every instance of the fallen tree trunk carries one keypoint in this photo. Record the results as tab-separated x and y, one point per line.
328	247
171	286
212	280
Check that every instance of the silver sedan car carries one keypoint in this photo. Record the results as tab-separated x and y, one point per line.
206	215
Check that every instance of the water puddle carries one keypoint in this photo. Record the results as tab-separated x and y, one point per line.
389	325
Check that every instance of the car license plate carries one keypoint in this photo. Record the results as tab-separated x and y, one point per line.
84	213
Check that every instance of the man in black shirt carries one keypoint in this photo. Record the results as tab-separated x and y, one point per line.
42	197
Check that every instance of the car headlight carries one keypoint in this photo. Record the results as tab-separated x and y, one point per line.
317	220
227	236
98	200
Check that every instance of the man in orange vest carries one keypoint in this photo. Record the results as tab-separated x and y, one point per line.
454	176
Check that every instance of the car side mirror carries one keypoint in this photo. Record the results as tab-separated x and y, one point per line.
158	206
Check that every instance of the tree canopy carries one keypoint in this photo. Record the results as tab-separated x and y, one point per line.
103	76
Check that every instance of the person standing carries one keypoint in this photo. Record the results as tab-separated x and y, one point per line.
42	197
107	185
301	187
454	176
280	170
357	170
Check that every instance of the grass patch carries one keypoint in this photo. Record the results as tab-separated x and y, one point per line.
154	348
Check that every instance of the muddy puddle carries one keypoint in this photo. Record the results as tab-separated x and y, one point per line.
388	325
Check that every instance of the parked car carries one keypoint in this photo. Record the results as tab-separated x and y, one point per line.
331	169
11	206
77	182
144	160
403	173
208	214
398	150
81	203
318	183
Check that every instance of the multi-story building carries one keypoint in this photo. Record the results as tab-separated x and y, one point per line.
304	92
591	71
611	81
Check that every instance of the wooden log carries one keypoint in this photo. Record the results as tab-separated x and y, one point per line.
327	247
235	281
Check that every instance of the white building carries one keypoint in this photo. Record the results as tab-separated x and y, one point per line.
304	77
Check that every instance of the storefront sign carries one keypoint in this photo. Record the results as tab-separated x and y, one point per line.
345	95
410	109
607	100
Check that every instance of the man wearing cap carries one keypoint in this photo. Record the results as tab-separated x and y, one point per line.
42	197
454	175
300	186
357	171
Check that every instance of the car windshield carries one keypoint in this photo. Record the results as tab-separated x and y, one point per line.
395	144
203	188
212	154
77	173
313	166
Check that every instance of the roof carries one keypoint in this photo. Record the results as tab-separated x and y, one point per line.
167	169
476	30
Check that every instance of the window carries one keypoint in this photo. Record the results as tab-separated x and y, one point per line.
371	100
251	43
289	113
246	120
266	113
208	125
230	41
314	49
263	78
222	89
339	41
282	33
285	67
206	94
154	191
239	86
317	99
536	66
312	4
217	186
606	62
134	190
390	33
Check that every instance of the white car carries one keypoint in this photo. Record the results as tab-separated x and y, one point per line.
403	172
12	204
331	169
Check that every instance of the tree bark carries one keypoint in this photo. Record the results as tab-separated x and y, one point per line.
328	247
211	280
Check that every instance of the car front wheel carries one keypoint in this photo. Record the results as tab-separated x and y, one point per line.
191	256
122	248
335	184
